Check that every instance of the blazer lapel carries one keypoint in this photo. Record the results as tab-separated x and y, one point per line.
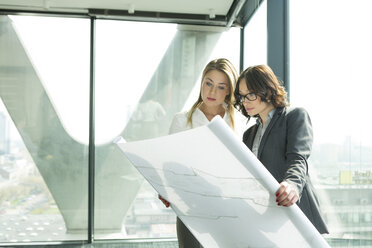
251	136
275	117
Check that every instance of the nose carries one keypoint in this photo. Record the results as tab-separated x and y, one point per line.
213	89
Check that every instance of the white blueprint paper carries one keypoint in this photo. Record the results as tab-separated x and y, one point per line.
220	190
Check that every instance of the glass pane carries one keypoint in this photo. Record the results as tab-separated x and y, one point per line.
330	63
255	37
44	69
145	73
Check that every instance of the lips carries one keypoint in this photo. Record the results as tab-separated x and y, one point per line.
211	99
249	109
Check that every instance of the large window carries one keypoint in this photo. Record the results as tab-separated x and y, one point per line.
255	37
44	86
145	73
330	76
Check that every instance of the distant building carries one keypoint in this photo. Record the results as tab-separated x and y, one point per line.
356	177
349	209
9	172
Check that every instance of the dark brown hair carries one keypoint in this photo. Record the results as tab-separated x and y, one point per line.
262	81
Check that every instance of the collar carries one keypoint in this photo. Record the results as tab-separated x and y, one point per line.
268	118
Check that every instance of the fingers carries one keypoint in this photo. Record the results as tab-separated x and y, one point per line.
286	195
165	202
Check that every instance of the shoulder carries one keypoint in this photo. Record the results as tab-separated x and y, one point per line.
179	122
180	116
297	113
298	119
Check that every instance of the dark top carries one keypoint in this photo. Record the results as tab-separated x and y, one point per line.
284	150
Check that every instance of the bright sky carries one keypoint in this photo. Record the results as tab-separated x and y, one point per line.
330	67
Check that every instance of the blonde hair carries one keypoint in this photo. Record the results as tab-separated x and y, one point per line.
225	66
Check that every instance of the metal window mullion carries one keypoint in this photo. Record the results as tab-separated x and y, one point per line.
278	39
241	57
286	57
91	158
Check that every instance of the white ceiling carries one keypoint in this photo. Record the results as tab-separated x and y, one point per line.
225	13
204	7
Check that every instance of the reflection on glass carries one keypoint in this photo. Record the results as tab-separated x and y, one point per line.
43	183
44	91
329	61
148	85
28	211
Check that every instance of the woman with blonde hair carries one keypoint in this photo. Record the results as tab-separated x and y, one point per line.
216	97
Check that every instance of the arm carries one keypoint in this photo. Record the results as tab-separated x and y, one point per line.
299	143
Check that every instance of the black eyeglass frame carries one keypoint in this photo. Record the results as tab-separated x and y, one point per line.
249	97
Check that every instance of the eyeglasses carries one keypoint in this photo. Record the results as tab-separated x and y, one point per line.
249	97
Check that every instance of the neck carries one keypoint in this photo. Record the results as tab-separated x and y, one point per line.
265	112
211	112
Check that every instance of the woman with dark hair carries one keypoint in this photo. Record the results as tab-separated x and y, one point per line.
281	138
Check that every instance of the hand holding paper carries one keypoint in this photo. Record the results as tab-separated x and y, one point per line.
220	190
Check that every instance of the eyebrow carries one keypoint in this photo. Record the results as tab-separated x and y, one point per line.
213	81
209	79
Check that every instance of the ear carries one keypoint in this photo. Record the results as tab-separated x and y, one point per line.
268	96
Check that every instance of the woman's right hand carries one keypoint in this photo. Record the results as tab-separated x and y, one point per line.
165	202
287	194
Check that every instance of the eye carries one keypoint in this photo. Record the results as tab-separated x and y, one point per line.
209	84
221	87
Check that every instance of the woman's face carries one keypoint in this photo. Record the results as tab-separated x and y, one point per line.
215	88
256	106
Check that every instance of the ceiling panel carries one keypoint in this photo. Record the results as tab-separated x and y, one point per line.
219	7
204	12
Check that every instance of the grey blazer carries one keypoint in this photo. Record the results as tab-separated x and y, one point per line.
284	150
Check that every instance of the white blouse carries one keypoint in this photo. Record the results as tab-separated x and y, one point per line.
179	122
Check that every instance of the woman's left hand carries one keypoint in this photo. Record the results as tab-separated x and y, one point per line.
286	195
